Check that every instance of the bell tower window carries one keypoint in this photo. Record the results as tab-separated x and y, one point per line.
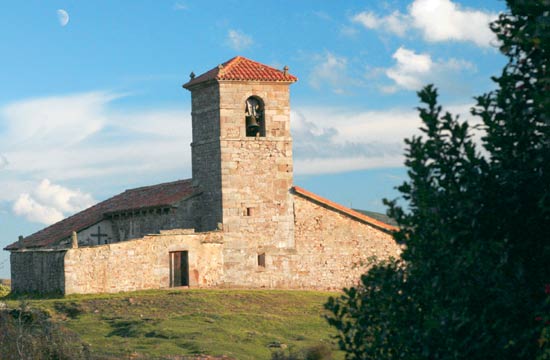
254	117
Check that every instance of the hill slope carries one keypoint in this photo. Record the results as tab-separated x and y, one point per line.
241	324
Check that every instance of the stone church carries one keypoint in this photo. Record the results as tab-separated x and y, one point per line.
238	222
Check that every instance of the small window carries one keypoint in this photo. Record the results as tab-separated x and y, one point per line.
249	211
261	260
254	117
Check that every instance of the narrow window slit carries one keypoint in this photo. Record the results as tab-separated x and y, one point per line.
261	260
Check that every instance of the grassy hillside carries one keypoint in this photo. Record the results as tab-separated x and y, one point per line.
242	324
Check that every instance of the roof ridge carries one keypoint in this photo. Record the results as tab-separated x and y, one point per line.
240	68
229	64
153	186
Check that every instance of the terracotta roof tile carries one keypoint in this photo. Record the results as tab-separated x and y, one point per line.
154	196
240	68
345	210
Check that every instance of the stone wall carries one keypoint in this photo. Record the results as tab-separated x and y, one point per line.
143	263
333	248
332	251
256	176
205	153
37	271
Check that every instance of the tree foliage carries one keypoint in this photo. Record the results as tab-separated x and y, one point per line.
471	280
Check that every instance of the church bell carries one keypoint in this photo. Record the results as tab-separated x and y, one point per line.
252	126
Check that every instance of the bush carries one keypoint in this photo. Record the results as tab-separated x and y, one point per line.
4	290
30	334
317	352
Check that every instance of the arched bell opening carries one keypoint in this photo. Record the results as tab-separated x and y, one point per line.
254	117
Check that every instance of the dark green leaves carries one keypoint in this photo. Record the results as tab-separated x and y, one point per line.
477	227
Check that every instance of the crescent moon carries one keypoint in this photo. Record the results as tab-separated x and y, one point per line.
63	17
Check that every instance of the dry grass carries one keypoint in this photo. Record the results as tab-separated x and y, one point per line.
240	324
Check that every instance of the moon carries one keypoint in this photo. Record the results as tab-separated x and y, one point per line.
63	17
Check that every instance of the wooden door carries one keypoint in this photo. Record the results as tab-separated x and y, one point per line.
179	268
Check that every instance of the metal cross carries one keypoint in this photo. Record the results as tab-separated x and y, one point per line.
99	235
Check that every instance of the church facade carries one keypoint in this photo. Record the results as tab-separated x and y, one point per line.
239	222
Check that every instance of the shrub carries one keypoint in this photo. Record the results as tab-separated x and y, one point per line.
4	290
30	334
316	352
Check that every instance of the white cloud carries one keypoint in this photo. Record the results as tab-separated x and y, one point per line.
409	69
348	31
180	6
442	20
3	162
82	138
330	70
238	40
33	211
56	120
412	70
49	203
395	23
61	198
331	140
437	20
322	15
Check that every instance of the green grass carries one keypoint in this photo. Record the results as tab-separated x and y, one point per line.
243	324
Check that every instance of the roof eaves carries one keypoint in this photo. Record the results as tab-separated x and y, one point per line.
223	72
154	207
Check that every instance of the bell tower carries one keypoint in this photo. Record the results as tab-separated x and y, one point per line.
242	156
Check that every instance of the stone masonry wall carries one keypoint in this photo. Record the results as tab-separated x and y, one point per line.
256	176
333	248
205	153
143	263
37	271
332	251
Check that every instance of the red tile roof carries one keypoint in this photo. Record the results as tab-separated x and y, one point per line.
345	210
240	68
147	197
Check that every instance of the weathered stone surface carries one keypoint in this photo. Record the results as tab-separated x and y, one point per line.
143	263
37	271
334	249
206	154
256	179
331	251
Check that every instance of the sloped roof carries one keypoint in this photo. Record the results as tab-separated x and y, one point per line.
147	197
345	210
378	216
240	69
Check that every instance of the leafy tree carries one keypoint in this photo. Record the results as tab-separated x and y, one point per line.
471	280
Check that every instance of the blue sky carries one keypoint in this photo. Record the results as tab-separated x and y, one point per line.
91	100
